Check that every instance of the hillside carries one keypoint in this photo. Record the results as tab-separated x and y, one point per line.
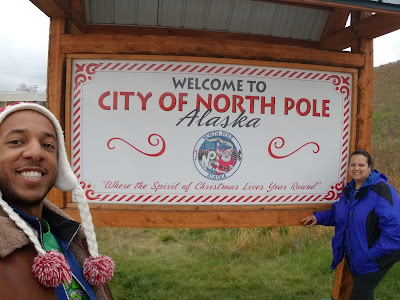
386	121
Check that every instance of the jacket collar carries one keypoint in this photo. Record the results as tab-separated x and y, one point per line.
62	227
31	220
374	178
12	237
367	183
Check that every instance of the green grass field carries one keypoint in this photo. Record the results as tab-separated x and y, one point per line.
267	263
288	263
253	263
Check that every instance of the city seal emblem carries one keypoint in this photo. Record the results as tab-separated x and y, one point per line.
217	155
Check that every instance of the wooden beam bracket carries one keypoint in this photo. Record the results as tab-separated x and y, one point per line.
371	27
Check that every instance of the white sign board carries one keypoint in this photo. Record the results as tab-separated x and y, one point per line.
188	133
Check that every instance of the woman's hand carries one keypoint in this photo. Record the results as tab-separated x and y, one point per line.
310	220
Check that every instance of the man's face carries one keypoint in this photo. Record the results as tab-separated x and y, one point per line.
28	158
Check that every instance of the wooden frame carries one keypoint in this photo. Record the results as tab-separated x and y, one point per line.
197	216
123	42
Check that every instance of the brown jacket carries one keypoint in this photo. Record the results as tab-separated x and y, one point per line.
17	281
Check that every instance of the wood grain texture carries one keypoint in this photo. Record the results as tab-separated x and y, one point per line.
197	216
205	47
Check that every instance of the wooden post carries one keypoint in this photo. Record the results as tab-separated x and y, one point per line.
365	97
343	281
364	88
56	87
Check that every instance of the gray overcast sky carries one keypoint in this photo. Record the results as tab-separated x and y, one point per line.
24	33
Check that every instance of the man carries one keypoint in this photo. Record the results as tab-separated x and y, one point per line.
44	254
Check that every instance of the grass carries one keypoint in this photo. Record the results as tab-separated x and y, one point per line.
255	263
267	263
288	263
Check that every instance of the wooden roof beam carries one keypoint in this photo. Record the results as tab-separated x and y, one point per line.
370	28
297	3
336	21
205	47
373	8
72	10
138	31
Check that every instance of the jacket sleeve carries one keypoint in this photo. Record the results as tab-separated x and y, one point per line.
388	212
327	217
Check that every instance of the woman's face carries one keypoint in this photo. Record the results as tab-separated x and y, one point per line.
359	169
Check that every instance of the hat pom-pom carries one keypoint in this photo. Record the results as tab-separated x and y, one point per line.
98	270
51	269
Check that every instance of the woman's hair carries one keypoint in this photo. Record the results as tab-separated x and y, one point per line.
364	153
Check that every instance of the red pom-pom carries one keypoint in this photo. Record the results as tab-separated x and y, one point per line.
51	269
98	270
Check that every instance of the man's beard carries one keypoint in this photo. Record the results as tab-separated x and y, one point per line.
11	196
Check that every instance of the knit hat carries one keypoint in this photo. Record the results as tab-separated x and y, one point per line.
51	268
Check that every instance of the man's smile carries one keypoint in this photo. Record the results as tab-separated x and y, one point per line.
31	174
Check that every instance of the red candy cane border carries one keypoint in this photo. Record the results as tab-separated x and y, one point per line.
85	72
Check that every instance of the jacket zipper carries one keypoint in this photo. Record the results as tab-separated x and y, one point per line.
73	236
82	286
40	234
352	206
65	292
66	249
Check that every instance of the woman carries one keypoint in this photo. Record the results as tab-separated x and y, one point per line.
367	226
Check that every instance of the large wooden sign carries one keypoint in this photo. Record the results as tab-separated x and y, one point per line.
198	133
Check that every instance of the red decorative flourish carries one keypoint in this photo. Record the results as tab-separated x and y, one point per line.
89	191
150	142
335	191
81	70
342	84
275	144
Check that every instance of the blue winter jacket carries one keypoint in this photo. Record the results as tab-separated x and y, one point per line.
64	231
369	220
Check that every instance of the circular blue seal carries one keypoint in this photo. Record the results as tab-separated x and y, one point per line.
217	155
